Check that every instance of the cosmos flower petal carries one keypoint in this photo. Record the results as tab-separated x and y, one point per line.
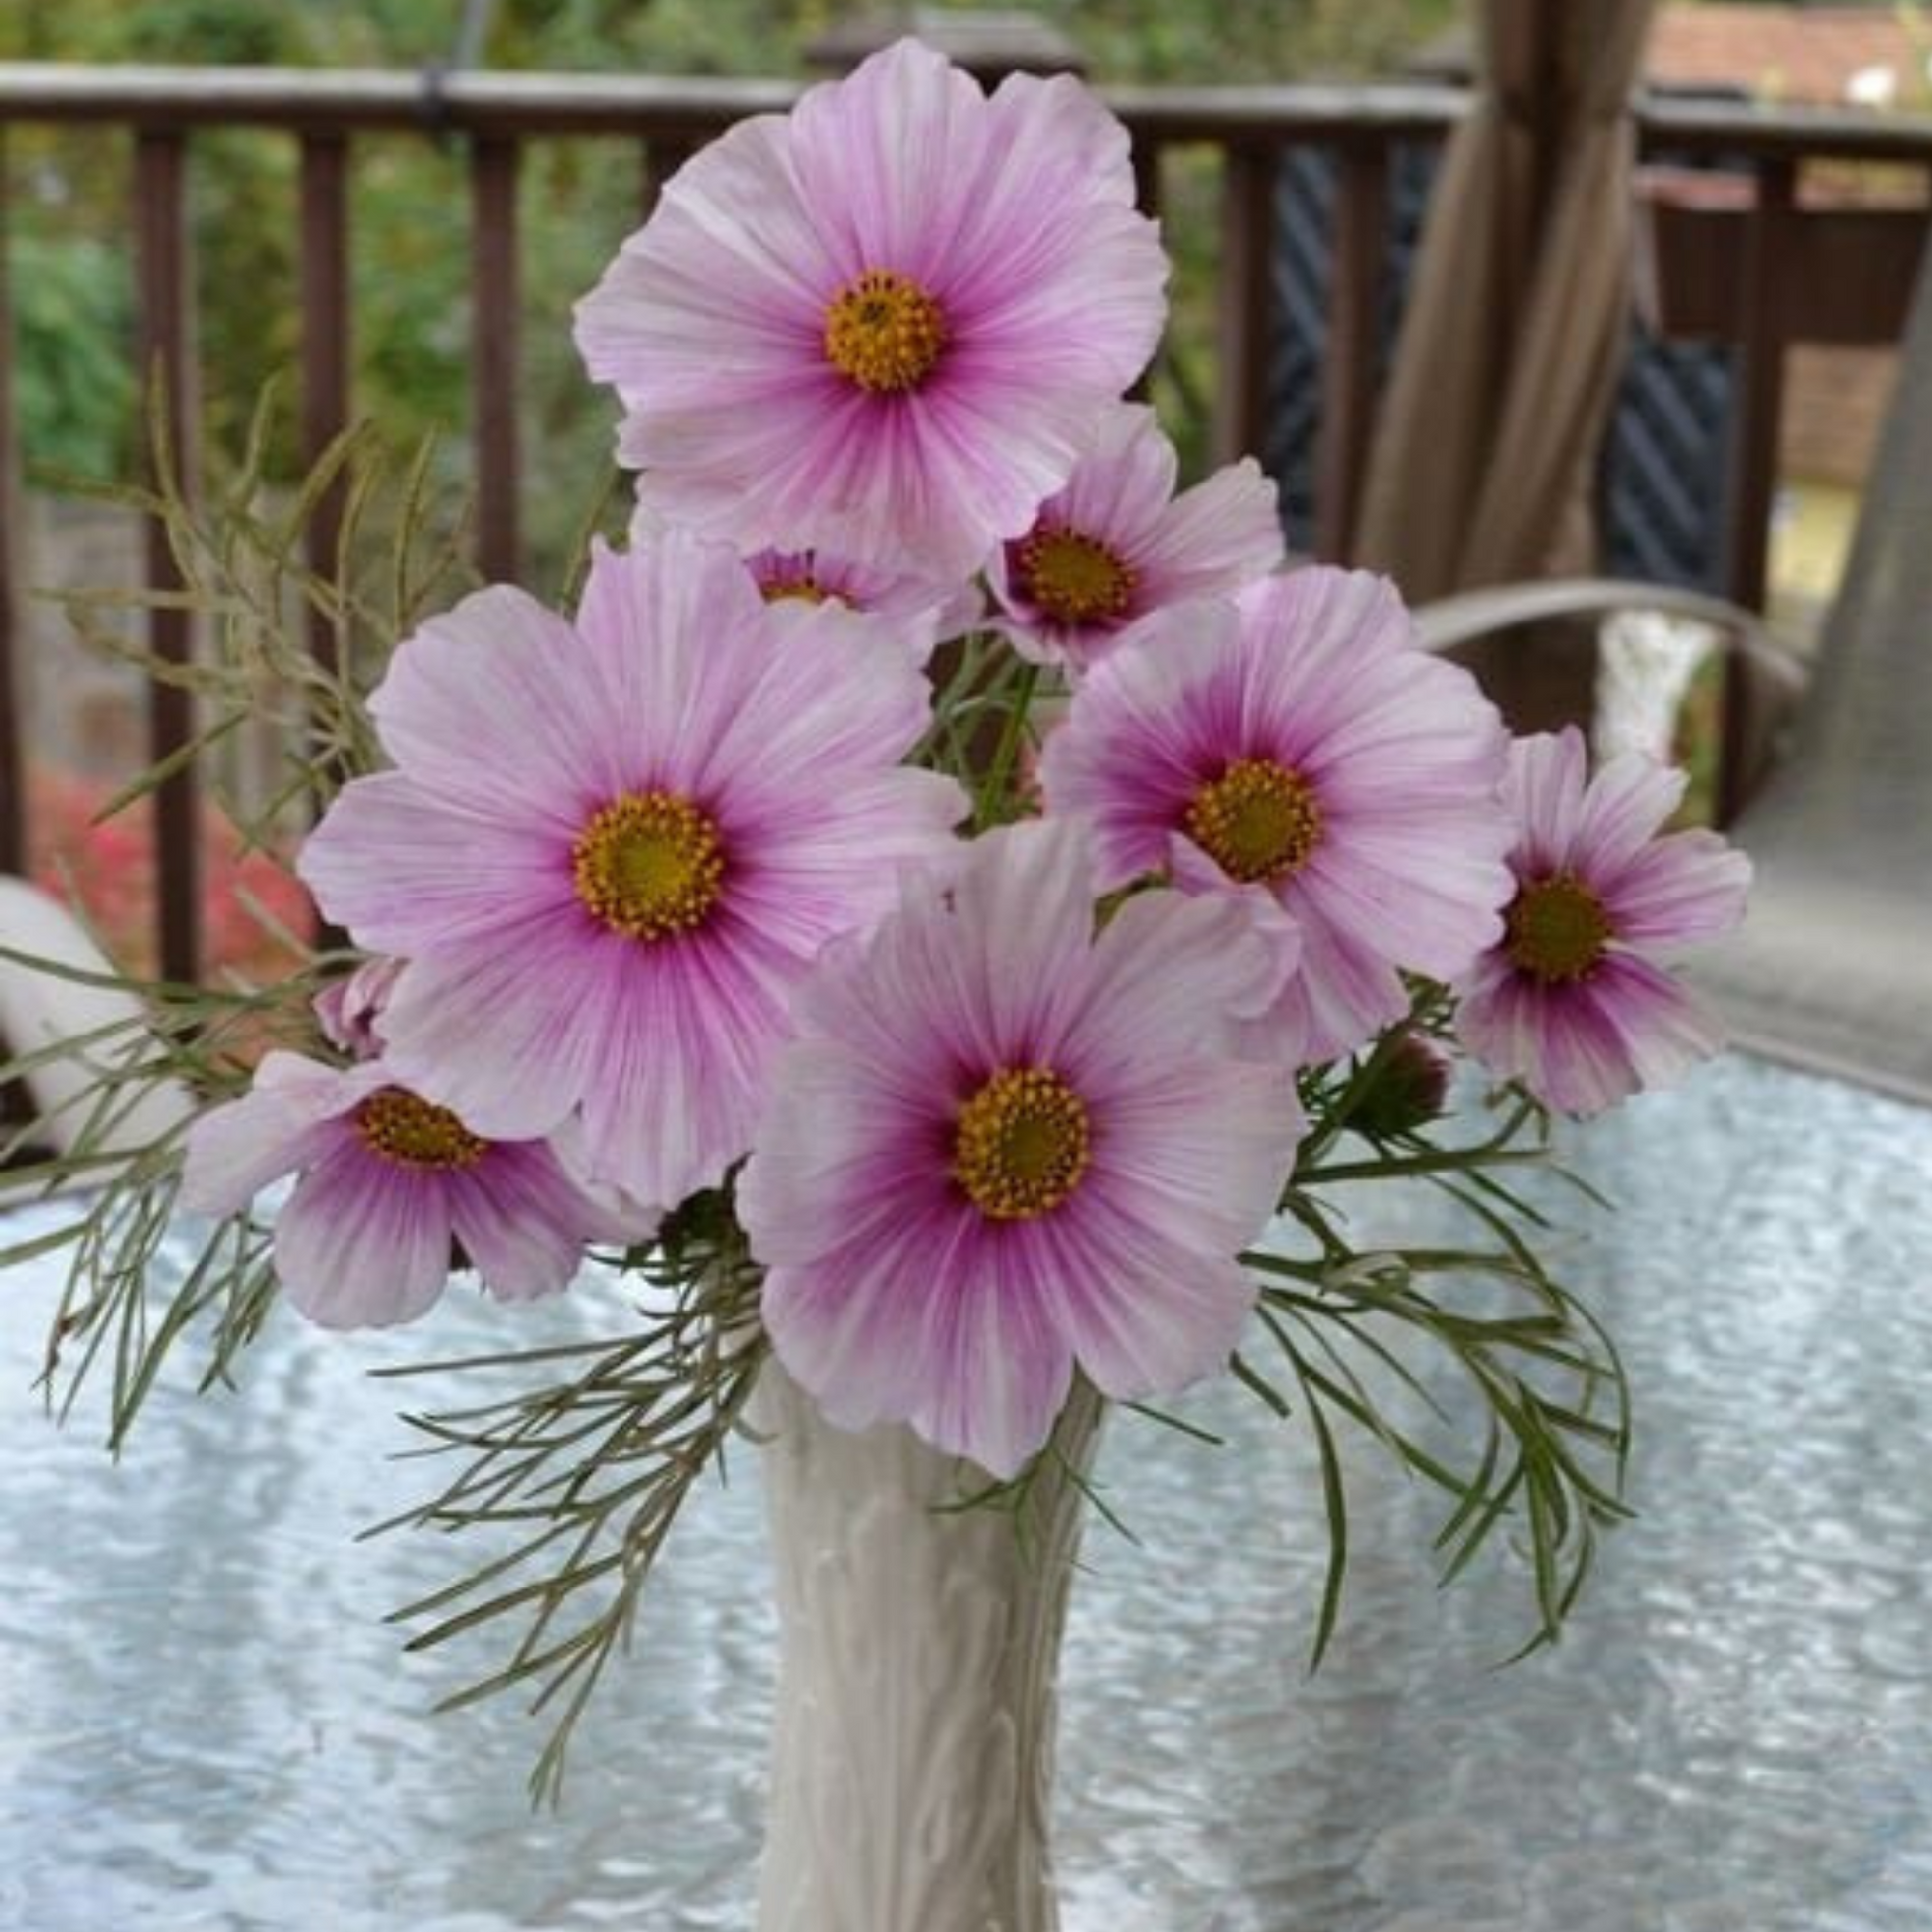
519	1219
1219	535
1545	788
403	866
286	1117
1156	1319
1624	807
475	740
999	1365
1188	970
542	1050
1677	891
361	1244
1583	1048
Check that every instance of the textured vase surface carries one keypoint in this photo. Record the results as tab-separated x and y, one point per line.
913	1759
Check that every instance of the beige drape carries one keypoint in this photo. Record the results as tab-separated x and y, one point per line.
1511	344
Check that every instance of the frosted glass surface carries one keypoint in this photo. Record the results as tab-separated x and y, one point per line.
205	1723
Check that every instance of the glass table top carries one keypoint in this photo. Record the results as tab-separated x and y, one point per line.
205	1721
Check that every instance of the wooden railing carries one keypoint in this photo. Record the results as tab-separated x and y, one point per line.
1781	253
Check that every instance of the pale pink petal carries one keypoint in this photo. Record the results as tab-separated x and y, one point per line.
504	1036
1585	1046
1216	537
1174	974
1677	891
1147	1318
1545	792
362	1243
1624	807
1000	1365
516	732
520	1220
1199	1151
404	867
289	1118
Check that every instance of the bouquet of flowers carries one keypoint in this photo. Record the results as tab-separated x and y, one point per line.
940	916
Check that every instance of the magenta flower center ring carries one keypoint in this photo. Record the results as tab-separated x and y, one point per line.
1074	579
649	865
414	1133
1021	1144
883	332
1557	929
1258	821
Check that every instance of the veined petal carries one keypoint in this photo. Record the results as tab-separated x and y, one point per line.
1675	891
286	1121
520	1220
361	1243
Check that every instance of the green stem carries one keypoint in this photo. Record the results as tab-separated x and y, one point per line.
993	789
1454	1160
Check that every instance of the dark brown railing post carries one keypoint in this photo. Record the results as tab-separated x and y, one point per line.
323	281
1247	304
13	775
166	334
493	295
1348	367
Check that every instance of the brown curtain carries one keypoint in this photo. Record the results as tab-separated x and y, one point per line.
1514	332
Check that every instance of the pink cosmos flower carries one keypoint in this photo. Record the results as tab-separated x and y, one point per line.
911	609
1571	1003
349	1010
1299	742
883	324
386	1183
1115	543
1001	1147
608	853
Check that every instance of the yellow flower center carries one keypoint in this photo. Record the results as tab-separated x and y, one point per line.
1555	929
883	332
416	1133
649	865
1258	820
1021	1144
1074	579
802	590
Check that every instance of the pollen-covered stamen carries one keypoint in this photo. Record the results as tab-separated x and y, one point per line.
649	865
885	333
1021	1144
1258	821
416	1133
1555	929
1074	579
801	590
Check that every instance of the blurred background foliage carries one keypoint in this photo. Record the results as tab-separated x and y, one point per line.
69	203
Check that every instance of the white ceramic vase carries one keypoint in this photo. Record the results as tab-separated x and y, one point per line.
912	1761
